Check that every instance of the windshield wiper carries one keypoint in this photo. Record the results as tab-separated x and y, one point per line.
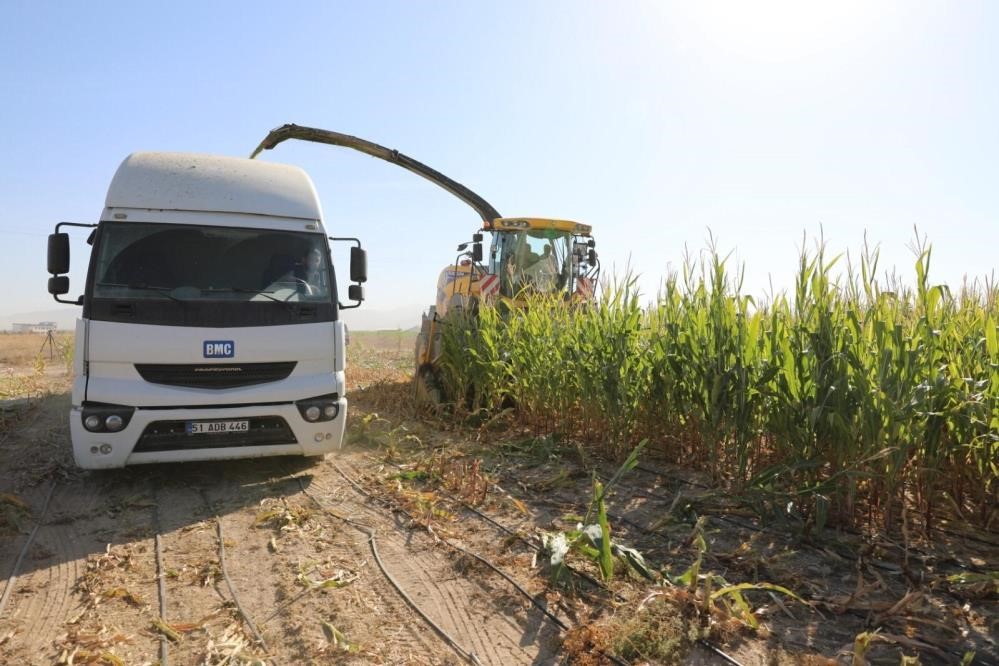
245	290
146	287
239	290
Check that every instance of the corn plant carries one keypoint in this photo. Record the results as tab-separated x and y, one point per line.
852	398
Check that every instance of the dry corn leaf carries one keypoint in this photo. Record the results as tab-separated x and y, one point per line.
124	594
520	506
14	500
167	630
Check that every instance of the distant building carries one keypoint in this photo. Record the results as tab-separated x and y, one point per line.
40	327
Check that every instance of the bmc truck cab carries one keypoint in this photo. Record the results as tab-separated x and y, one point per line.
210	326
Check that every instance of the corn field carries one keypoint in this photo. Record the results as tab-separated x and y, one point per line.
860	401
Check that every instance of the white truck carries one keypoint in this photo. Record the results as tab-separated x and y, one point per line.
210	325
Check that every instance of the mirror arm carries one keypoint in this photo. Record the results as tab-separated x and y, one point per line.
74	224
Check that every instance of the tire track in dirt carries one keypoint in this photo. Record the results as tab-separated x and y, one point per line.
367	610
473	605
412	627
19	535
191	568
97	543
234	500
44	594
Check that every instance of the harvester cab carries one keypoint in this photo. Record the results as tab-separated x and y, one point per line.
526	256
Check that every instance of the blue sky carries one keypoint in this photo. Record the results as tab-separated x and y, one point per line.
653	122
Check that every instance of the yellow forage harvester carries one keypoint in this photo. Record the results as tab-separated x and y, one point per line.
527	256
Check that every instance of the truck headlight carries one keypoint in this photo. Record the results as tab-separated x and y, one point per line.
320	408
100	417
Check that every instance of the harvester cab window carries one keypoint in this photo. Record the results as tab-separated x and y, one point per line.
535	261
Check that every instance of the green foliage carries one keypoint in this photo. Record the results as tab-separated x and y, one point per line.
845	395
606	560
594	540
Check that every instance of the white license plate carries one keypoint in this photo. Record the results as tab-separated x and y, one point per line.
216	427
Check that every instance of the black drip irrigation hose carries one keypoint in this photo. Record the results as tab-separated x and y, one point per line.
718	651
228	580
12	578
534	545
753	528
613	658
942	530
514	533
160	579
370	533
581	574
527	595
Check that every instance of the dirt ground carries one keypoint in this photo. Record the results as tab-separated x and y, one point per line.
416	544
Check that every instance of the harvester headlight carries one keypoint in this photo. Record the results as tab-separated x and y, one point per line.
329	411
114	423
515	224
312	413
92	423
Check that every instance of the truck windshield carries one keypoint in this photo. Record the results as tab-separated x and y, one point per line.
185	263
535	261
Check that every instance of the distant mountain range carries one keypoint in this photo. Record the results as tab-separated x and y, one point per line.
359	319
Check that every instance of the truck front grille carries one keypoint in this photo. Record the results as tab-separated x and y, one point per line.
214	375
172	435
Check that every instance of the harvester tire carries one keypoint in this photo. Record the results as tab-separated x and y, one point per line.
427	389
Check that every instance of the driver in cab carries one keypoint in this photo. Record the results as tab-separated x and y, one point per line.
307	273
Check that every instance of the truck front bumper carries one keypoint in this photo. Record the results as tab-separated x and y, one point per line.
157	435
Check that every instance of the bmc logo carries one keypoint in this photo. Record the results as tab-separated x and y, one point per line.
219	348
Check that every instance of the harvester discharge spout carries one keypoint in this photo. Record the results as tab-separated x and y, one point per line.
315	135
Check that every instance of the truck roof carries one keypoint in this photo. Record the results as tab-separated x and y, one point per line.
195	182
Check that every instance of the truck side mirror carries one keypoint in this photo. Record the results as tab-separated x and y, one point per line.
358	267
58	261
476	238
58	285
355	292
592	257
477	253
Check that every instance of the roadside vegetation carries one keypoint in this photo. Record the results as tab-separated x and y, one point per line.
28	359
